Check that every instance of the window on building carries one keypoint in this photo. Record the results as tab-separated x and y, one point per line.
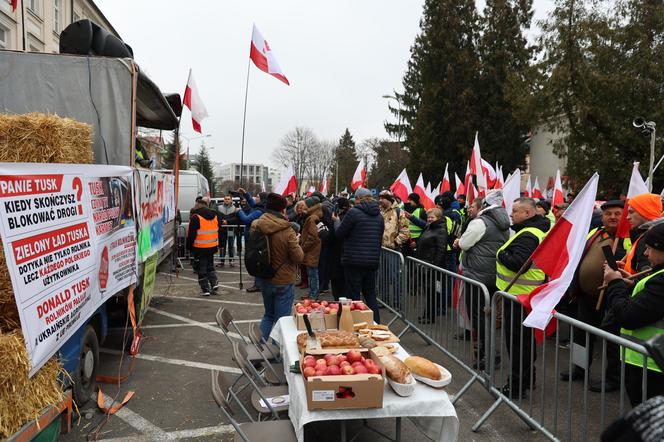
4	37
33	5
57	15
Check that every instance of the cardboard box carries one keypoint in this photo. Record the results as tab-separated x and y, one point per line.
324	392
363	316
330	321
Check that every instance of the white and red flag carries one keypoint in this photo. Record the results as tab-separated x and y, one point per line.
401	186
557	197
500	180
288	184
636	187
472	193
460	187
360	176
445	185
419	189
537	192
324	187
528	193
193	101
311	190
477	168
14	4
558	256
489	173
263	57
511	190
433	192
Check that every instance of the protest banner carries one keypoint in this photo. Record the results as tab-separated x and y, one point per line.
155	206
69	239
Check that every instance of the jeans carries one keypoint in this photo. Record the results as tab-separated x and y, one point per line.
205	269
228	246
363	280
278	302
312	273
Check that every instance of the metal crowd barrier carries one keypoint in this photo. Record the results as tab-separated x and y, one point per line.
441	307
237	243
560	410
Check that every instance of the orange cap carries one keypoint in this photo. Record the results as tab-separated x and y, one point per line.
648	205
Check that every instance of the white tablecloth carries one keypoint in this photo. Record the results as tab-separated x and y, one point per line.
428	408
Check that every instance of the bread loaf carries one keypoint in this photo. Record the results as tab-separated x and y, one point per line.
423	367
395	369
331	339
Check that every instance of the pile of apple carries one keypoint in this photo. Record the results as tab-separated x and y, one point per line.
332	364
329	308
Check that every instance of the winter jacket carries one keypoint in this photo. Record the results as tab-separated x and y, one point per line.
479	261
195	225
336	249
634	312
517	253
228	215
432	245
396	232
362	232
309	240
247	219
285	252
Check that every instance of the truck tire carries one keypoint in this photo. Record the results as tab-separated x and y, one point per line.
85	378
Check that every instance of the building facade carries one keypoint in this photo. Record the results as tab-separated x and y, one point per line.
35	25
251	173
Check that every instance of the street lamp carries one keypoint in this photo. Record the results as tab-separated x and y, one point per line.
393	97
189	139
648	128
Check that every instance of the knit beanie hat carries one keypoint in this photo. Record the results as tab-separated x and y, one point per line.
648	205
263	196
655	237
414	197
312	201
275	202
362	193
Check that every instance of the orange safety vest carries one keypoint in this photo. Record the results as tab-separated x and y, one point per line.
630	256
207	235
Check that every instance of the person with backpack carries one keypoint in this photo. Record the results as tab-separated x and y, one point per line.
203	241
272	254
257	209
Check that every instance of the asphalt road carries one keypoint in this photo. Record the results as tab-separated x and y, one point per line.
182	344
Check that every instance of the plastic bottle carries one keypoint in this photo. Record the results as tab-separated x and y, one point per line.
346	318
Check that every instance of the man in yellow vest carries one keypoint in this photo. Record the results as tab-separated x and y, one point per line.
640	314
530	229
203	242
414	209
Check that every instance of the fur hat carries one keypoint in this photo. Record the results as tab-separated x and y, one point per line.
275	202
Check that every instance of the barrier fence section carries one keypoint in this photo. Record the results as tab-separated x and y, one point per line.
559	409
232	246
447	310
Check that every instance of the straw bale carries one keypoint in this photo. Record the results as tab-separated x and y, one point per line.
22	398
9	319
41	138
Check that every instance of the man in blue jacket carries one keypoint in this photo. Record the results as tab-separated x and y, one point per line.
362	233
258	208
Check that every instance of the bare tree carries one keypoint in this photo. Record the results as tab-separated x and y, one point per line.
320	161
295	149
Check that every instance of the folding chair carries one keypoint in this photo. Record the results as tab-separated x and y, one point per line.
274	373
225	321
277	431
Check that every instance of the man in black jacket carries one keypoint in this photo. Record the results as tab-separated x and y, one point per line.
530	228
362	233
203	241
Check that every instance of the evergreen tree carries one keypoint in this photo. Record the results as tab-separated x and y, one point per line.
504	94
345	161
438	106
168	158
204	166
390	159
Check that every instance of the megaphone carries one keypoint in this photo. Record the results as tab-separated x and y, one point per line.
639	122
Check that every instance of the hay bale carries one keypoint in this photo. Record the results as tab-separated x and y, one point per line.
9	319
41	138
22	398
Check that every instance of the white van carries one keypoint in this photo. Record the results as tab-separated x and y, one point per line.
191	184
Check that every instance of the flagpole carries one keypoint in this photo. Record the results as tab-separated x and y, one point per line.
244	120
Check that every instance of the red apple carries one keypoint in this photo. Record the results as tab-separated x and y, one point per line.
343	364
349	395
321	372
306	302
360	306
374	369
315	305
308	372
342	390
347	369
321	362
324	303
301	310
353	356
309	363
369	362
333	370
334	360
299	304
352	306
328	356
327	310
341	358
356	364
360	369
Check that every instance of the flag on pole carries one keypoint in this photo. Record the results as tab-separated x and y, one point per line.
401	187
460	187
421	191
288	184
427	189
511	190
311	190
636	187
433	193
445	185
263	186
537	192
263	57
489	173
500	180
558	197
468	181
193	101
558	256
528	192
14	4
477	168
360	176
324	187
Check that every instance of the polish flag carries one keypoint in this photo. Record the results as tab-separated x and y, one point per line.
472	193
557	197
193	101
324	188
14	4
421	191
468	181
636	187
511	190
477	168
500	180
360	176
433	193
460	187
537	193
263	57
558	256
288	184
489	173
427	189
528	193
311	190
401	187
445	185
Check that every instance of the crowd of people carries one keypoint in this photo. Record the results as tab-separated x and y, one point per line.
333	245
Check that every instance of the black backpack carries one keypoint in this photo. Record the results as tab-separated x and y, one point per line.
257	256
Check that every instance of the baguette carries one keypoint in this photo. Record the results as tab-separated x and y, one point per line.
395	369
423	367
378	327
359	325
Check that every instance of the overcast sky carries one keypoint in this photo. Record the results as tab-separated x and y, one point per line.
340	56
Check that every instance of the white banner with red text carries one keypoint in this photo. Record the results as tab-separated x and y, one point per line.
69	238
